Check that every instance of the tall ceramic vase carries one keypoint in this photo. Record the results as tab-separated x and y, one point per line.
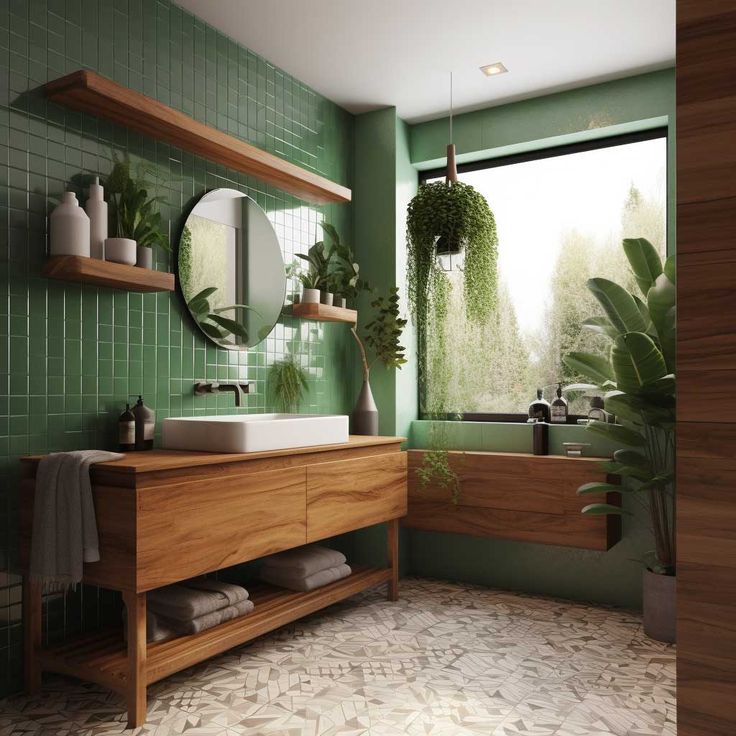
365	414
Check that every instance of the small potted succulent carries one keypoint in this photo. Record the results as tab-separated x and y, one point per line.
309	280
134	219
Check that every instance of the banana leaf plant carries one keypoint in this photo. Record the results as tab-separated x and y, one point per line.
211	321
636	372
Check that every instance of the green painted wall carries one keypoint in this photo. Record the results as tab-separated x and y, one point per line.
625	105
70	355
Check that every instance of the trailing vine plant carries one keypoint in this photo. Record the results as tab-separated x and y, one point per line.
446	218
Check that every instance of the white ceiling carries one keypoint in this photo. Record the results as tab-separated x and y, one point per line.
368	54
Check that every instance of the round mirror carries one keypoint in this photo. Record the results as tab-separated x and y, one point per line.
231	269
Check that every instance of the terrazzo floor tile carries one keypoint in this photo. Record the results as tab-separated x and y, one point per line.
445	660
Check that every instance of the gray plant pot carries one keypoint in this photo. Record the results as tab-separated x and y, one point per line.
660	606
340	301
326	298
365	414
144	257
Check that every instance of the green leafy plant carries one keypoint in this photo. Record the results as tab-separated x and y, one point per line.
445	218
318	257
133	213
185	259
383	334
344	277
309	279
287	382
637	374
211	321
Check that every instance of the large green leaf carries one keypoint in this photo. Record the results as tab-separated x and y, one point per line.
627	471
620	306
644	260
601	326
670	269
632	458
636	361
597	487
624	406
230	325
661	302
595	367
602	509
617	433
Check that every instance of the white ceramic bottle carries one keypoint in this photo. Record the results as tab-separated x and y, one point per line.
69	228
96	208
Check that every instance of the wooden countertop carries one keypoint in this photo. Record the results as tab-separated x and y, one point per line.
156	460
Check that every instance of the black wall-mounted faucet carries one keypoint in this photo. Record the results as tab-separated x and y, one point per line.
238	389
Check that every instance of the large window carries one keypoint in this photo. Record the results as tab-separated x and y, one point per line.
561	215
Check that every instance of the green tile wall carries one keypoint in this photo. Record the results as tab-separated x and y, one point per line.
71	355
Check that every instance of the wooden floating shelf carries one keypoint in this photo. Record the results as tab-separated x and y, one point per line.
324	313
101	656
527	498
89	92
107	273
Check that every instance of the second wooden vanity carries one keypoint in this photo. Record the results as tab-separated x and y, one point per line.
165	516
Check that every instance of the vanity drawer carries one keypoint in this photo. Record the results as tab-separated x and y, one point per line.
351	494
192	527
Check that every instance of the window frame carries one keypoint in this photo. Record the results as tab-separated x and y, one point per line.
594	144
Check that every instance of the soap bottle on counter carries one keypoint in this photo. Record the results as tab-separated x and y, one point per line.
145	425
539	409
558	409
126	430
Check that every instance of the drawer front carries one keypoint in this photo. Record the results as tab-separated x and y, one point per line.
351	494
186	529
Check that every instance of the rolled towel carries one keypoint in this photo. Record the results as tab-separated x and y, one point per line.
292	581
194	598
305	561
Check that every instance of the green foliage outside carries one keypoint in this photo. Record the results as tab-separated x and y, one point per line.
287	382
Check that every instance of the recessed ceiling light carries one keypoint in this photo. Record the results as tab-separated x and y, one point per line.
491	70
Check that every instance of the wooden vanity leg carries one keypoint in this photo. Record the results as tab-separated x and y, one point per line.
32	607
393	559
135	604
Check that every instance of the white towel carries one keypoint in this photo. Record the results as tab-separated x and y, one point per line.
64	534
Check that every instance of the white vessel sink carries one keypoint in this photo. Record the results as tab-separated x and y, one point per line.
253	432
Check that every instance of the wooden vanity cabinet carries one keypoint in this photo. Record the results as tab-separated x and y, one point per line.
166	516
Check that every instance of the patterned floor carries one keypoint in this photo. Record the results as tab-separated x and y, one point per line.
445	660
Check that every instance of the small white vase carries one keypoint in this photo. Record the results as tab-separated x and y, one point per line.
326	297
144	257
69	228
120	250
96	208
310	296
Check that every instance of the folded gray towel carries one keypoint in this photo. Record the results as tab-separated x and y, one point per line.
208	620
305	561
292	581
194	598
159	628
64	533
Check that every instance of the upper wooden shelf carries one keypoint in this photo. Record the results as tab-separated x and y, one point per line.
89	92
106	273
324	313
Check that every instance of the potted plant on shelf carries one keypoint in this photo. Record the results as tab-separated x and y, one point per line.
446	218
134	218
287	382
345	271
318	257
637	374
309	280
382	337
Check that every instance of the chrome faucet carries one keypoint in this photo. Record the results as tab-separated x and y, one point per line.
239	389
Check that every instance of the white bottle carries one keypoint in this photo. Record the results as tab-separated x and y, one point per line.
69	228
96	208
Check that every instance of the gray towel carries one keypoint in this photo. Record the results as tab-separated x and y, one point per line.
193	598
159	628
64	533
305	561
302	583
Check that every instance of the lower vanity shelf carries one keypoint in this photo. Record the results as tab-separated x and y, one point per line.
102	657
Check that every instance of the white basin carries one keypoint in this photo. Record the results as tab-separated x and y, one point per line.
253	432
